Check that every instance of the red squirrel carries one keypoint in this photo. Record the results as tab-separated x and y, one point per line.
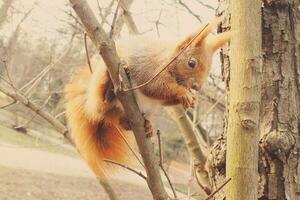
95	116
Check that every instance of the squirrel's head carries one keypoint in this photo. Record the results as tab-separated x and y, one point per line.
193	64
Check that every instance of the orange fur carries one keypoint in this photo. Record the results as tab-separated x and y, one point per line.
95	125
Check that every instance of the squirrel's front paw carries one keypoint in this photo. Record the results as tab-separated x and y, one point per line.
188	100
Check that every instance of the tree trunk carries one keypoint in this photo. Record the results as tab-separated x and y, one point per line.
244	100
279	146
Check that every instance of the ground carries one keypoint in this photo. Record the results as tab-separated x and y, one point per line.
38	175
32	168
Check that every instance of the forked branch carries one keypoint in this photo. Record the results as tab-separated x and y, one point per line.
107	49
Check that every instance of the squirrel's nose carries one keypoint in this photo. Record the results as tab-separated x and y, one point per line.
196	86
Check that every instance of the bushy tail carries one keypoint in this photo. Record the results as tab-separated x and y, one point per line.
96	132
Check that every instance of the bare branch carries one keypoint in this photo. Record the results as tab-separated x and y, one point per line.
87	52
206	5
16	95
114	20
131	149
197	154
128	19
106	13
190	11
34	81
220	105
209	110
13	39
4	9
9	104
218	189
125	4
60	114
162	165
126	167
36	113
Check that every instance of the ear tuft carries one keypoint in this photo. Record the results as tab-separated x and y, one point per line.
208	29
219	40
184	42
202	33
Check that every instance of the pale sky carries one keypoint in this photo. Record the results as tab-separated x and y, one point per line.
47	16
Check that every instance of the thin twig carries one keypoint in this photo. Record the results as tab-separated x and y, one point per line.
209	110
131	149
218	189
46	115
190	11
106	13
189	195
126	167
87	52
161	164
114	20
7	73
60	114
9	104
215	191
8	76
34	81
161	69
206	5
35	114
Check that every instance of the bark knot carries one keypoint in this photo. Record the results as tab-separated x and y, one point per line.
248	114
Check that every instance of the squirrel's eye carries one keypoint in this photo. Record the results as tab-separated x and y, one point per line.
192	63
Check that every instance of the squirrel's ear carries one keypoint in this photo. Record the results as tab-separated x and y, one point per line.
204	32
207	30
218	41
184	42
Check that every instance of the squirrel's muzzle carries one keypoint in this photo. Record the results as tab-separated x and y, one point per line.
196	86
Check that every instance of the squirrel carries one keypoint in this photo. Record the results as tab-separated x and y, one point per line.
96	118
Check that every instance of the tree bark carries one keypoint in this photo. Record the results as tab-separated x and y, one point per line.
279	146
244	101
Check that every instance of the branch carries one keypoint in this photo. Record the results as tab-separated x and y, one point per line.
107	50
125	4
15	35
17	96
203	133
130	148
126	167
190	11
114	20
220	105
218	189
197	155
206	5
30	120
130	23
106	13
4	9
161	163
87	52
34	81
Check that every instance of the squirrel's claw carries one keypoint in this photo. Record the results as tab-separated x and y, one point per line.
188	100
148	126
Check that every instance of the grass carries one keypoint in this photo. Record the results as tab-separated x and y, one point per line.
11	136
